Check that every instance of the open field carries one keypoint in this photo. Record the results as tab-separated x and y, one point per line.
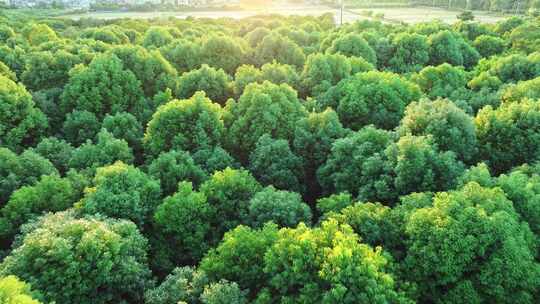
300	10
421	14
409	15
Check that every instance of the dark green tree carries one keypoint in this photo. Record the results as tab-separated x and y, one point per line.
173	167
21	123
273	163
106	150
184	219
21	170
284	208
410	53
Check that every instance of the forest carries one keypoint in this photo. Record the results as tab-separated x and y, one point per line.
270	159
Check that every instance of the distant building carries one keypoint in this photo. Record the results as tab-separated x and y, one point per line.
50	3
88	3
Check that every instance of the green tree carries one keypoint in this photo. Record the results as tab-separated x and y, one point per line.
245	74
508	135
104	87
353	44
313	139
13	291
522	188
153	71
356	163
125	126
284	208
488	45
111	34
215	83
470	246
255	37
106	150
57	151
419	166
525	38
529	89
45	70
156	36
515	67
449	126
322	71
240	257
80	126
229	193
87	254
264	108
21	170
279	73
279	48
223	52
21	123
441	81
172	167
212	159
328	265
466	16
6	32
377	98
183	54
38	33
50	194
6	72
184	220
273	163
223	292
410	53
445	48
182	285
122	191
184	125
